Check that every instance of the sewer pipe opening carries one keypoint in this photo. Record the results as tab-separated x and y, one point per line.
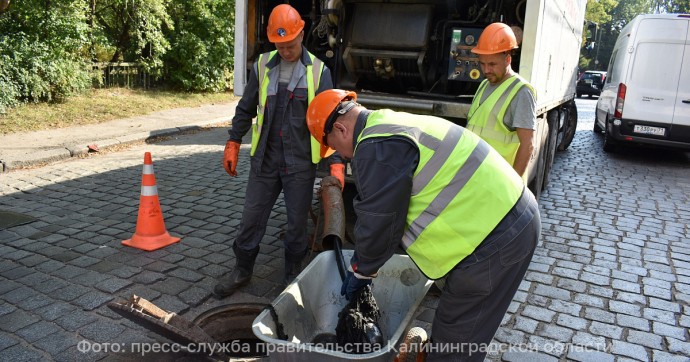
231	325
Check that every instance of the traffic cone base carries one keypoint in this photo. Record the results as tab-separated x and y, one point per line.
150	243
150	233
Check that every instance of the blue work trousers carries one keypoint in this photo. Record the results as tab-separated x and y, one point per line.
262	192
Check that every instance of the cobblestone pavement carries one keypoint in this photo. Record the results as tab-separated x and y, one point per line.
610	280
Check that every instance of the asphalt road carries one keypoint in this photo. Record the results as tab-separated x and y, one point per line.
610	280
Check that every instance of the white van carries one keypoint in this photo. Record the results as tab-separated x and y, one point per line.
646	97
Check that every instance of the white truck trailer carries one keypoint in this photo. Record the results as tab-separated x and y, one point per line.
414	55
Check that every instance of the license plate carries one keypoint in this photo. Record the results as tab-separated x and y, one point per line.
656	131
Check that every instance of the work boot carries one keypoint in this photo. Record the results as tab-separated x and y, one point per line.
240	276
293	266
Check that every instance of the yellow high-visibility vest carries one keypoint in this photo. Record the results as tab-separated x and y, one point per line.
313	79
461	188
486	119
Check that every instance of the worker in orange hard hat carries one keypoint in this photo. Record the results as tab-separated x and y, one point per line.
503	110
281	85
456	207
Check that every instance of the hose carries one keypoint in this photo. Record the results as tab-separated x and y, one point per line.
339	259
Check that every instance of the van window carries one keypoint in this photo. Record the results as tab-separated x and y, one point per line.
612	71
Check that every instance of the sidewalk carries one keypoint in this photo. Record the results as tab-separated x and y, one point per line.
29	149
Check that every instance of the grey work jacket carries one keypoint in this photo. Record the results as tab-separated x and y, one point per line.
295	134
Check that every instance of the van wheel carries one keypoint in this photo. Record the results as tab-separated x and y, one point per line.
579	95
609	142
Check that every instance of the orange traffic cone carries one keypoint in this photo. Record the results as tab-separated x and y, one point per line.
150	233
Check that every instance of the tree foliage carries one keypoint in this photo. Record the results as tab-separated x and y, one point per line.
202	44
134	29
672	6
40	51
46	46
611	16
598	11
597	14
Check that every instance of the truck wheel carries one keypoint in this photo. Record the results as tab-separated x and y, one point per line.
568	123
551	143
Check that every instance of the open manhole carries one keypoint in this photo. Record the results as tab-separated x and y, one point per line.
218	334
231	325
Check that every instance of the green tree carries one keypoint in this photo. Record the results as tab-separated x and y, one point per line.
134	29
672	6
615	18
41	51
597	14
621	15
598	11
200	57
46	46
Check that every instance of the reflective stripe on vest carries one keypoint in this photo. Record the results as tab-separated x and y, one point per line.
313	79
486	119
461	189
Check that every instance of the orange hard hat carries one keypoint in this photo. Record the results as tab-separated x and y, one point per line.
323	110
496	38
284	24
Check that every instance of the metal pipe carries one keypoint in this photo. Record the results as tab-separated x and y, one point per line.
408	104
334	218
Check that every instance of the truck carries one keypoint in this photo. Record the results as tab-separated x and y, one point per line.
414	56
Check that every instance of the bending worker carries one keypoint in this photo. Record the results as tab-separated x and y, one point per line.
503	111
283	154
447	198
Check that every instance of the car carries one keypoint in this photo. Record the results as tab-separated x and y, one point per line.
590	83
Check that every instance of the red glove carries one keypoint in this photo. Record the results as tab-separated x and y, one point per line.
338	171
232	149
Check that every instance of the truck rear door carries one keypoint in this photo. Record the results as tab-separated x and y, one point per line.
654	71
681	114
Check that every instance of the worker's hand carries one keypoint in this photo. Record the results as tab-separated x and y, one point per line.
232	149
338	171
352	284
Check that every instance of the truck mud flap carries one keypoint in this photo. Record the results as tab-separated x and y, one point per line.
568	126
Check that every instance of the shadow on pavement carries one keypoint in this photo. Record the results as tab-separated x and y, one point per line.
58	272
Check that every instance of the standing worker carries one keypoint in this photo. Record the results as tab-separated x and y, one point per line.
283	154
448	199
503	111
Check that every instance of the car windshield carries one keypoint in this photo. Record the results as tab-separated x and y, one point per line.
593	76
